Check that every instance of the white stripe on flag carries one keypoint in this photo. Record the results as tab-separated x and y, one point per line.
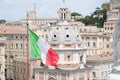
44	47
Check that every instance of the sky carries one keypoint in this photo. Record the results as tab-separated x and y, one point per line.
14	10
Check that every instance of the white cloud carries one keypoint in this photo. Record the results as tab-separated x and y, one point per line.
8	1
45	8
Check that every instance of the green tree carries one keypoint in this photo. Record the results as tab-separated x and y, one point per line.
97	18
75	14
2	21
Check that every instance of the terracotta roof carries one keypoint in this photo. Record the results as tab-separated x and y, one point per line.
12	30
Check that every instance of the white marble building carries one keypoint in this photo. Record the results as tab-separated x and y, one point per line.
63	37
67	42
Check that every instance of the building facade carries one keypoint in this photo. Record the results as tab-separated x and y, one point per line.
115	74
66	40
92	37
71	51
15	46
73	41
19	65
102	66
2	58
109	28
112	19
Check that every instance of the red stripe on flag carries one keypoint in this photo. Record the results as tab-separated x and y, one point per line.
51	58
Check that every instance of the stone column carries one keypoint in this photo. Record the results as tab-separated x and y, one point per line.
58	76
36	75
116	36
67	78
115	74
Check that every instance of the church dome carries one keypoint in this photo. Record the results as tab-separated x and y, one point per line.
64	34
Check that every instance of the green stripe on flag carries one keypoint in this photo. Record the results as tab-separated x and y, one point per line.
34	48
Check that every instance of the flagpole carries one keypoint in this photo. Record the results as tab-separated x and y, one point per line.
27	63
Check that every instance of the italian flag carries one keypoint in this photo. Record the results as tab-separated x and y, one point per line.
41	50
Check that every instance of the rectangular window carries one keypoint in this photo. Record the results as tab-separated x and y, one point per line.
1	52
42	36
21	37
94	44
108	46
94	38
94	74
11	45
0	68
26	46
21	46
88	44
107	39
87	38
16	37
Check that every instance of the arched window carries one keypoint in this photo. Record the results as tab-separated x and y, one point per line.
11	45
5	58
85	30
81	58
11	58
68	57
21	46
78	37
16	46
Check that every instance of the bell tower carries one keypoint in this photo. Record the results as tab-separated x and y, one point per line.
64	13
32	13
